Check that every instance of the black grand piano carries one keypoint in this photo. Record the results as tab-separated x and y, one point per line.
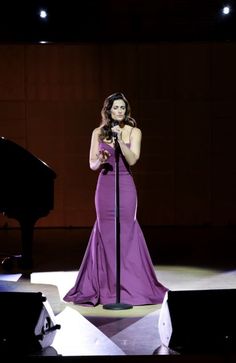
26	192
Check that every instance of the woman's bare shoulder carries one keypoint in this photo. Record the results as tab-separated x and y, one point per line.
136	131
97	131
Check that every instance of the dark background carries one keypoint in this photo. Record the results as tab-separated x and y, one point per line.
109	20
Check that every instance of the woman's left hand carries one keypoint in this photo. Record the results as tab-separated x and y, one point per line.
118	130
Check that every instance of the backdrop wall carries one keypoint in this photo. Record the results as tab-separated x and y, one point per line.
181	95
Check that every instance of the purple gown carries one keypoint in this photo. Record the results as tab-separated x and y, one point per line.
96	280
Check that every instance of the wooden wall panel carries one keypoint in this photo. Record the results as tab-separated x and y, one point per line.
192	163
117	69
12	72
192	69
63	72
223	167
155	171
222	73
181	96
156	73
12	120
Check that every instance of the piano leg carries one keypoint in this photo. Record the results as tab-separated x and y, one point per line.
25	259
27	232
27	222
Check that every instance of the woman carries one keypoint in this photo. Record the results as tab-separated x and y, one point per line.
117	135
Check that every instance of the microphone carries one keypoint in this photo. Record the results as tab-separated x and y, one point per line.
114	134
114	123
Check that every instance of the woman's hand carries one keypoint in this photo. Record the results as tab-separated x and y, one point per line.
103	156
118	131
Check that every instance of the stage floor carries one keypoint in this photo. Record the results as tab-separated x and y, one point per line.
95	331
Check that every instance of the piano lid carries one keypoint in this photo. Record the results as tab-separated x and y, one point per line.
26	182
14	157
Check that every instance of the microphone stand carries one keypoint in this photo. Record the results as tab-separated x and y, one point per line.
118	305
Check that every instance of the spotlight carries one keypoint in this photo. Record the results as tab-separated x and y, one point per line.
226	10
43	14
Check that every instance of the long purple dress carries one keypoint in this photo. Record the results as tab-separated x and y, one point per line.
96	280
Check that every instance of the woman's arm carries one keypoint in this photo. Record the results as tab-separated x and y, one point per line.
131	153
96	156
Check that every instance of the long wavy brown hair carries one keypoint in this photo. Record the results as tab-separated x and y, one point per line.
107	121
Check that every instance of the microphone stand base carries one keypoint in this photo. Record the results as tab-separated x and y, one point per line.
117	306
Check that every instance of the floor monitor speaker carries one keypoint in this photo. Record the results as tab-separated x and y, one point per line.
27	322
199	321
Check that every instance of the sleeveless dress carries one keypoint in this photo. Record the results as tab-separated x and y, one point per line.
96	280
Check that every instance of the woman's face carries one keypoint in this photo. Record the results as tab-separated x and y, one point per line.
118	110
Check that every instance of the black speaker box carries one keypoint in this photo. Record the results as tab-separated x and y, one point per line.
27	322
199	321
